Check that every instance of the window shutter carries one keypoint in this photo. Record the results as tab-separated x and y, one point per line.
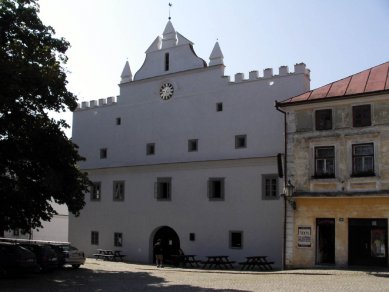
222	188
156	190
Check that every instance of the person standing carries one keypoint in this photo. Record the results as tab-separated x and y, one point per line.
158	251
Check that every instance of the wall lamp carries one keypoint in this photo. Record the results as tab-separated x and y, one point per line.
288	194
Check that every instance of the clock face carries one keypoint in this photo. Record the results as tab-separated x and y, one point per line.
166	91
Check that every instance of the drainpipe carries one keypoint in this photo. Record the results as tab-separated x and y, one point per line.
285	181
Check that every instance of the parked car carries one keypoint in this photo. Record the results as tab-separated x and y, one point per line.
69	255
16	259
46	257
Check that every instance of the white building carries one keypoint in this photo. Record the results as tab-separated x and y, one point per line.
56	229
186	155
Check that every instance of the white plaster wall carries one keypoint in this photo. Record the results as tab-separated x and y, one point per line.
248	108
189	211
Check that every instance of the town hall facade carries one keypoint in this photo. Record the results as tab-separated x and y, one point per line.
186	155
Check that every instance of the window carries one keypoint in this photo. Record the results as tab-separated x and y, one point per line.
192	237
118	190
363	159
216	189
270	187
16	232
167	62
162	188
323	119
236	238
118	239
95	191
362	115
192	145
150	149
240	141
219	107
95	238
118	121
103	153
325	162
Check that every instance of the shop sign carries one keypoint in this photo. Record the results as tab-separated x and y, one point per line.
304	236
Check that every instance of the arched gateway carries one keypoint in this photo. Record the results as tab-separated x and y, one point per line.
170	243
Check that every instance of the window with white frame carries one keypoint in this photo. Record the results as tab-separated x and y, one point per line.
95	191
363	159
162	188
270	187
118	190
324	162
216	188
118	239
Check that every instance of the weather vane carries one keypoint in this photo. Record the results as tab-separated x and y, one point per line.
170	5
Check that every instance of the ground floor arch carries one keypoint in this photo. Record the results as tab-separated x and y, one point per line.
170	243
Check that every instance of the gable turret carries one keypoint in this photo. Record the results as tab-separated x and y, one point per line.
216	57
126	73
168	54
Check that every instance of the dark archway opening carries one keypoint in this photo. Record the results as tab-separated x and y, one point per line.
170	244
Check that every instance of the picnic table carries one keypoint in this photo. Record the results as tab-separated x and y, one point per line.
187	260
221	262
259	262
109	255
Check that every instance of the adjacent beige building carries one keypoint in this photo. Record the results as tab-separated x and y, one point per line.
338	162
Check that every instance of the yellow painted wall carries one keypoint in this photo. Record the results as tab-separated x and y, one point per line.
308	209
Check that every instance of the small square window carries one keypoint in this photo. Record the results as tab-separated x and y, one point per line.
103	153
95	238
270	187
118	190
118	239
162	188
192	145
362	115
236	239
219	107
118	121
323	119
216	189
95	191
240	141
150	149
363	159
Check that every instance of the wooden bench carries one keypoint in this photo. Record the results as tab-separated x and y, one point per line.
254	262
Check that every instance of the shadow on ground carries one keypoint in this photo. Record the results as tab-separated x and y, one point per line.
93	280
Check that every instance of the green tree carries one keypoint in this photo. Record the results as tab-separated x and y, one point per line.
38	163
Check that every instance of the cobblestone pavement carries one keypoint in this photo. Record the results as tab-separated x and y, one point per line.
111	276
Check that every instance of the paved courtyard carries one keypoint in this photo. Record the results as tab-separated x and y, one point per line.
111	276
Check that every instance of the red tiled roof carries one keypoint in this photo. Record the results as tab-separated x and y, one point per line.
370	80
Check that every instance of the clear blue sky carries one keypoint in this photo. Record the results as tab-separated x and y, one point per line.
335	38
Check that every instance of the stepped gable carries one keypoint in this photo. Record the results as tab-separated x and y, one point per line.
374	79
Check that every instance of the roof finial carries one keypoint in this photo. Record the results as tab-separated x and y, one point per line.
170	5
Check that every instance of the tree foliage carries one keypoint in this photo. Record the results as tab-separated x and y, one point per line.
38	163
